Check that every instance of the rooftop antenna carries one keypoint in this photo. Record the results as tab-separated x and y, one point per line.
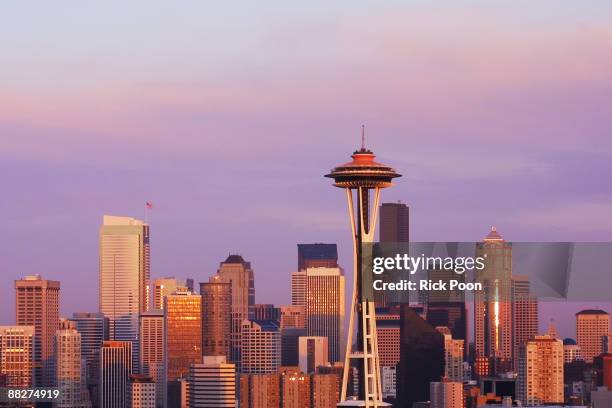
362	137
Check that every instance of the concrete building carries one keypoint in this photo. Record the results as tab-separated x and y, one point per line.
453	356
141	392
446	394
212	383
261	347
313	352
37	304
591	327
152	353
295	389
524	315
541	372
259	390
70	369
115	370
124	278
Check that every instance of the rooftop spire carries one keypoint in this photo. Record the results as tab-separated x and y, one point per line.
362	137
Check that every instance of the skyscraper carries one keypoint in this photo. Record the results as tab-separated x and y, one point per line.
115	371
216	318
493	305
261	347
325	307
152	357
124	277
17	355
266	311
167	286
298	288
238	272
421	358
388	334
70	368
541	371
292	316
453	355
183	329
313	352
37	304
394	222
524	315
317	256
212	383
591	326
292	326
141	392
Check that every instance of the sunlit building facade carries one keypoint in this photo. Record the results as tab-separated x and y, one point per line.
591	328
216	318
167	286
541	371
261	347
115	371
152	357
212	383
183	328
17	355
70	368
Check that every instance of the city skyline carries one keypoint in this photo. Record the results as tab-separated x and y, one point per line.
518	114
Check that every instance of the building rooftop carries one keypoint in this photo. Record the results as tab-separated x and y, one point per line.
234	259
592	312
318	251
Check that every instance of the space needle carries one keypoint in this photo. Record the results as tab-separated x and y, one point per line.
358	177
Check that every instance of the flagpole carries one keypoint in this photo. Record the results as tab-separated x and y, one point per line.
146	213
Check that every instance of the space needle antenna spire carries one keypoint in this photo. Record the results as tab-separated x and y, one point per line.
362	137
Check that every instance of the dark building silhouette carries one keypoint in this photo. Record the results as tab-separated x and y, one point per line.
394	222
264	311
447	307
317	256
421	357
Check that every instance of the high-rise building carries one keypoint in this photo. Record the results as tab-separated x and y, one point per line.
238	272
541	371
212	383
115	371
183	329
453	355
298	288
394	222
446	394
295	389
571	351
17	355
167	286
325	390
317	256
358	178
446	307
216	318
141	392
124	277
421	357
591	327
152	358
70	368
261	347
325	307
266	311
37	304
259	390
524	315
313	352
388	334
493	304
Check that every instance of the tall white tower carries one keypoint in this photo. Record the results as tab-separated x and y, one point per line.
357	178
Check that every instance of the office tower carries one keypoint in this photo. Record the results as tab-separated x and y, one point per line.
259	390
325	307
37	304
493	305
236	271
298	288
394	222
152	358
313	353
446	394
292	316
167	286
361	175
317	256
295	389
183	329
421	357
571	351
446	307
212	383
524	315
591	326
290	345
388	334
453	355
216	318
69	367
266	312
261	347
541	371
17	355
141	392
124	277
325	390
115	370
